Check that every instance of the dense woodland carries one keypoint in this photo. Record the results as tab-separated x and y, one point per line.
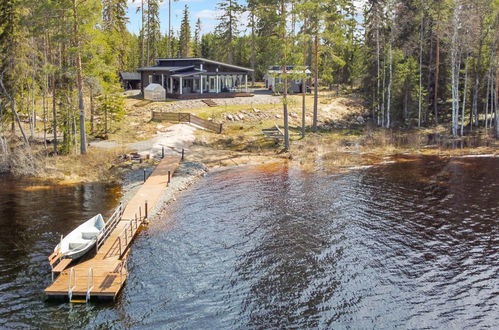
418	63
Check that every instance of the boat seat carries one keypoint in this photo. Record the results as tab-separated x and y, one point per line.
77	244
89	234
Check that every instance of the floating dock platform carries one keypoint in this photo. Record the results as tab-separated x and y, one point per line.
104	273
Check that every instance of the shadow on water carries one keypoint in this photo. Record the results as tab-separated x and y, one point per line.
410	244
33	215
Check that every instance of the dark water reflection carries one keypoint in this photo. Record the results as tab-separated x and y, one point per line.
32	218
412	244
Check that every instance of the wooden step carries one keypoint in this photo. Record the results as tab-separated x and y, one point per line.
61	265
78	301
53	255
55	259
210	103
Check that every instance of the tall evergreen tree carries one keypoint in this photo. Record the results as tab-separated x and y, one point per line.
185	34
114	22
153	32
196	43
227	28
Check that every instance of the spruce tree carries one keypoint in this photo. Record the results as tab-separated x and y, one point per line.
227	28
185	34
153	32
196	44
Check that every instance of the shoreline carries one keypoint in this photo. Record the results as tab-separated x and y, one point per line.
186	174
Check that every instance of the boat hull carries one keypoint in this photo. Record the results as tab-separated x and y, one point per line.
82	239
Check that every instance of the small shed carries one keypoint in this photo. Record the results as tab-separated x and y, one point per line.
154	92
296	75
130	80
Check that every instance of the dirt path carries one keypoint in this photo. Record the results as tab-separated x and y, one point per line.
172	140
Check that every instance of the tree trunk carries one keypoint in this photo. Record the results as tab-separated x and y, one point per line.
230	48
455	65
92	111
316	81
105	116
54	112
383	92
390	79
16	116
406	103
496	110
142	42
285	108
148	45
253	47
378	78
437	76
168	40
429	86
487	97
285	75
33	92
79	81
476	87
420	96
45	106
303	106
464	96
29	112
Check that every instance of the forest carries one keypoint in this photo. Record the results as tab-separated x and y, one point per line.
417	63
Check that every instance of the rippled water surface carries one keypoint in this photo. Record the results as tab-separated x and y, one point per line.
413	244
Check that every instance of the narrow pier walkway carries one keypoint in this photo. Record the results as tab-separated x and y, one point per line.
104	274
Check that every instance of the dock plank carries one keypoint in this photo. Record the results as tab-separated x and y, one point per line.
63	264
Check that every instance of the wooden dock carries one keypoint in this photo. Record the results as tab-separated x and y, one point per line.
104	273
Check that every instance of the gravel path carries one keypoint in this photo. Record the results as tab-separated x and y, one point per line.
172	140
192	104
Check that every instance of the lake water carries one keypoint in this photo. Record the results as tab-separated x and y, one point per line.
411	244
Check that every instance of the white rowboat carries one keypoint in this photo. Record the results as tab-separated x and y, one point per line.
78	242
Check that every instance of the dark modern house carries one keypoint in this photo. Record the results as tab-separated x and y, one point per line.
186	78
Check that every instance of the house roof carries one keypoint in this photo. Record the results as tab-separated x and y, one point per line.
290	69
130	75
206	61
166	68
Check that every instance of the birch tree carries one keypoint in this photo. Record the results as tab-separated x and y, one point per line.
455	64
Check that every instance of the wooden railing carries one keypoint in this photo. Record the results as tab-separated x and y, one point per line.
274	132
184	117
